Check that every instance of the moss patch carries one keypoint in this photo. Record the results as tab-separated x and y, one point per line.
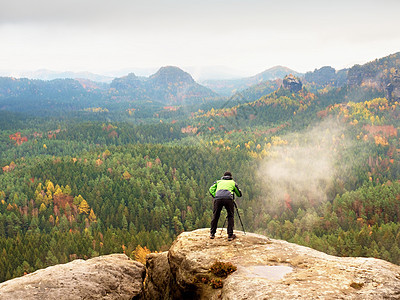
357	285
221	269
217	272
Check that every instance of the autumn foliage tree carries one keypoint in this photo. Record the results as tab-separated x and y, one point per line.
140	254
84	207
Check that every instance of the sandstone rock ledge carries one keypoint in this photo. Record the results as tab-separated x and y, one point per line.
266	269
106	277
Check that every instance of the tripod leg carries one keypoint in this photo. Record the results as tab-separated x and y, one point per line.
240	219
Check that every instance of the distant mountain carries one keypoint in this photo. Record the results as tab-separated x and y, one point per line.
256	91
277	72
171	75
199	73
275	109
380	77
325	76
36	95
130	85
44	74
231	86
378	73
169	85
313	81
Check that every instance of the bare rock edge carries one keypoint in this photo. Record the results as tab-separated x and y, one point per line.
266	269
112	276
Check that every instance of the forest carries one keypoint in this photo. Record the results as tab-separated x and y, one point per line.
319	167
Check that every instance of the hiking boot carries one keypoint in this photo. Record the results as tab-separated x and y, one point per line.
231	237
212	236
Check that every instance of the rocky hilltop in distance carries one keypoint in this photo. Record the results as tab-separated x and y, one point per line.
381	74
327	76
262	268
292	83
169	85
393	88
231	86
168	75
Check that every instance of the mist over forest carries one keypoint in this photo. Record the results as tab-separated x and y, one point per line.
123	164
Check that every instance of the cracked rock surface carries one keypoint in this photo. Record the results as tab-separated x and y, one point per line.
270	269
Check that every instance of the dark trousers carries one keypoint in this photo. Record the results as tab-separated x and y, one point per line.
230	209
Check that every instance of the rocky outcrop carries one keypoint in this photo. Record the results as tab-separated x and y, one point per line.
376	74
266	269
230	87
263	269
129	82
170	85
159	283
393	88
292	83
106	277
327	76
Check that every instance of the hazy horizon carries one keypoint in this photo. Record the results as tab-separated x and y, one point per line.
244	37
198	73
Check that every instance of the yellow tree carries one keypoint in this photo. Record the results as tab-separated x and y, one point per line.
50	186
106	154
49	197
58	191
42	208
140	254
39	187
84	208
126	175
92	216
78	199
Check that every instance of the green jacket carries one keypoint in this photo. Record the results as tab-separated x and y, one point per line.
225	188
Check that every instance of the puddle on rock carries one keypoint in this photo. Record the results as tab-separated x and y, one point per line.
267	272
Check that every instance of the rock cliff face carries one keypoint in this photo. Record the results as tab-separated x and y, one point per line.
393	88
327	76
375	74
266	269
292	83
106	277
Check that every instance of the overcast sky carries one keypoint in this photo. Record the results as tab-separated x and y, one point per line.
248	35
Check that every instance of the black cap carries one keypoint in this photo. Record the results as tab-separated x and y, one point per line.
228	174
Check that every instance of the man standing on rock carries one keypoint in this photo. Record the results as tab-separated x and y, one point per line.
223	192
